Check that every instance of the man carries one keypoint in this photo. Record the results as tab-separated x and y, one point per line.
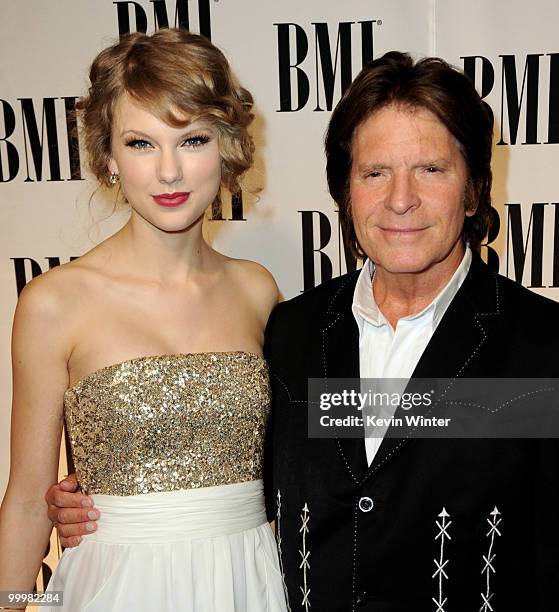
410	525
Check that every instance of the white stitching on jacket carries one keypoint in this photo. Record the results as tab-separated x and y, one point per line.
489	559
440	573
305	565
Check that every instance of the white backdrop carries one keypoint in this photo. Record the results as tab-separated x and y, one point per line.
510	47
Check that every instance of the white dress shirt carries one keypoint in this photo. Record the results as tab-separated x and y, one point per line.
385	352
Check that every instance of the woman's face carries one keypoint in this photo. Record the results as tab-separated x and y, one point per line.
169	175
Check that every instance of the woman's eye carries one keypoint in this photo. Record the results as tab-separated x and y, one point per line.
196	141
138	143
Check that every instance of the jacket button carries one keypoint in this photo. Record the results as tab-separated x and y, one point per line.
366	504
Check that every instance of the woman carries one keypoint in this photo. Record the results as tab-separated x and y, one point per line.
150	347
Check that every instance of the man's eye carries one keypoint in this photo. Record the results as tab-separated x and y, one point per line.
138	143
432	169
197	141
374	174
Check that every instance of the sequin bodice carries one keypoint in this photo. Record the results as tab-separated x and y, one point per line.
169	422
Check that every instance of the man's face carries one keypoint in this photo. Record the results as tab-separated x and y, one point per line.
407	186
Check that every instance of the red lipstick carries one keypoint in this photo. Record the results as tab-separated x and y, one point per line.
171	200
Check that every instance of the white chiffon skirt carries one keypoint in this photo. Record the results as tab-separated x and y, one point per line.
200	550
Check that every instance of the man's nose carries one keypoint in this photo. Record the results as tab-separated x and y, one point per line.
402	195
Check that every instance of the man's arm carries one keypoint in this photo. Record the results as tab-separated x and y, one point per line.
71	511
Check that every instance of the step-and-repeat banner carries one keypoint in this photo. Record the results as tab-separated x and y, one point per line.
296	58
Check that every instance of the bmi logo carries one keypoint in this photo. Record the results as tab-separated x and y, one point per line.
527	88
310	60
525	244
41	147
160	17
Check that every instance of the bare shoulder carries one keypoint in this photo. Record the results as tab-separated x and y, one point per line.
256	282
52	299
40	330
45	295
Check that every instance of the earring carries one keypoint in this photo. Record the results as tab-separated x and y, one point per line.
113	178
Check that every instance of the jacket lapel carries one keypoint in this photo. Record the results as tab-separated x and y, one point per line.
457	346
340	353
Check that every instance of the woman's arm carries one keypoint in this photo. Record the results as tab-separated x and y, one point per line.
40	351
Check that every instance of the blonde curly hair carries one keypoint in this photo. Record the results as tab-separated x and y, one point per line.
172	74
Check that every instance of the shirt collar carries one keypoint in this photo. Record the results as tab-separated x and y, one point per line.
364	306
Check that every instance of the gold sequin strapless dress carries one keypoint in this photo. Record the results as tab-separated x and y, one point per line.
170	449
